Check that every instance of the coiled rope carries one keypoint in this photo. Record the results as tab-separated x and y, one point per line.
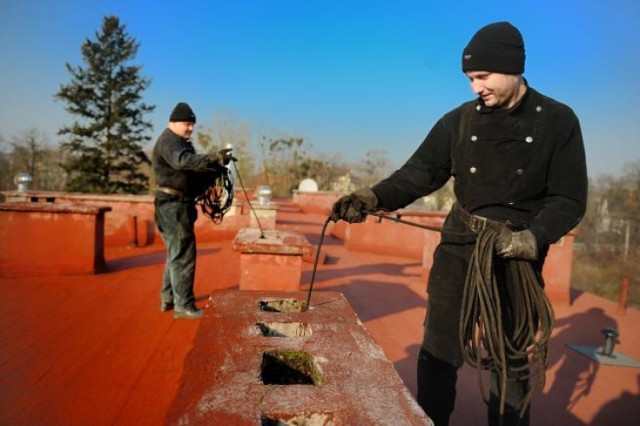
515	352
485	341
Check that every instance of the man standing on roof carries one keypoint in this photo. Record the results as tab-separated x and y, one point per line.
518	161
180	174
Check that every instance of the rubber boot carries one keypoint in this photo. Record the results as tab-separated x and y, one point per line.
510	417
516	391
436	387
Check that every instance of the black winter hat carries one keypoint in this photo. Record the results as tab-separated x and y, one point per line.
497	47
183	112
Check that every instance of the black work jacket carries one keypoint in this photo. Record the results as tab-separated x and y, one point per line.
176	165
524	165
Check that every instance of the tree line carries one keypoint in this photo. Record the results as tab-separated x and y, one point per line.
102	150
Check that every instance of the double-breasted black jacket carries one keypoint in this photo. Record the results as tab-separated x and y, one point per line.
524	165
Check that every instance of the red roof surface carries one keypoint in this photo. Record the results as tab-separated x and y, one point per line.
96	349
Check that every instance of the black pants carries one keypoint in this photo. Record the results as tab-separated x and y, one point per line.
441	354
175	218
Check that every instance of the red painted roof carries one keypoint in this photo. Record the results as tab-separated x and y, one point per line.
95	349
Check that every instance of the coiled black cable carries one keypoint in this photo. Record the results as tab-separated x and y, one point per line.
217	199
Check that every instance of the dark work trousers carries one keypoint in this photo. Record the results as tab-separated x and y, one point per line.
441	354
175	217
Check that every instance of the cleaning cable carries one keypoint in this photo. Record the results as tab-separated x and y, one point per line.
515	353
486	343
211	201
315	263
246	196
217	199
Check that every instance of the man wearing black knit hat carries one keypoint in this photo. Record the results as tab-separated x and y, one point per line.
179	173
520	181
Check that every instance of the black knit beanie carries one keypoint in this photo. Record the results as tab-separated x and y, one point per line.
183	112
497	47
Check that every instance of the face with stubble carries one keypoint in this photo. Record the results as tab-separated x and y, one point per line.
184	129
497	90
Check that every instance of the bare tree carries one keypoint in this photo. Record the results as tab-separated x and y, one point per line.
31	153
324	170
227	130
28	150
6	180
282	157
374	167
613	211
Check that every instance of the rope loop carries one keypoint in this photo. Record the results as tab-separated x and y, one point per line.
217	199
505	332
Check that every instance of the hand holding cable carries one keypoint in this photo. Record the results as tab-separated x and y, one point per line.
216	200
223	157
516	245
353	208
521	349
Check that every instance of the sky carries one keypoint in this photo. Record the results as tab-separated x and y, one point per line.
347	76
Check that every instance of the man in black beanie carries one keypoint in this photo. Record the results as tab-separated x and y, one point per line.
520	181
179	172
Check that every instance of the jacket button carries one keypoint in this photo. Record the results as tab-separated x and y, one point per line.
474	138
519	171
478	107
473	170
528	139
538	108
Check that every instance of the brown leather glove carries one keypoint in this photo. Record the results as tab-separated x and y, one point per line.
516	245
353	208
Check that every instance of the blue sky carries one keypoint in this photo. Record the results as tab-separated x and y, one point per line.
348	76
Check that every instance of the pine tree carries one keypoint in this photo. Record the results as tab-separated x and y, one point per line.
104	148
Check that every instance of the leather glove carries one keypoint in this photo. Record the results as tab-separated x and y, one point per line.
353	208
519	244
223	157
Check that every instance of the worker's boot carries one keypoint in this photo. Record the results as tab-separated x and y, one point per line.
188	312
511	417
514	396
436	387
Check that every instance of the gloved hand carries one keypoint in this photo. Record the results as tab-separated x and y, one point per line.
223	157
519	244
353	208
